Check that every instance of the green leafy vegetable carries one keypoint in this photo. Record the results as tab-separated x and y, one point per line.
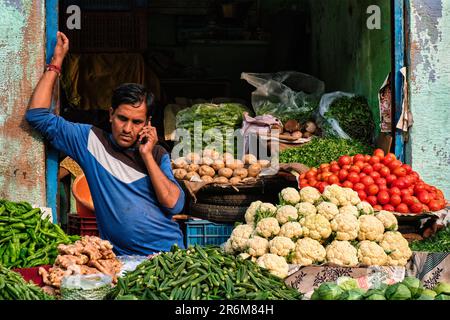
398	291
327	291
440	242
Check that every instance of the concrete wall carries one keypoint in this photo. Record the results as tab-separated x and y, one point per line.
22	157
429	80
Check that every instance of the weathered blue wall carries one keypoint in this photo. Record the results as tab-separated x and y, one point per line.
22	46
429	80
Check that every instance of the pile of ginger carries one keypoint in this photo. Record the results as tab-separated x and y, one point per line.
90	255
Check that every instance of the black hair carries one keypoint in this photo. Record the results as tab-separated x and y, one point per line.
133	94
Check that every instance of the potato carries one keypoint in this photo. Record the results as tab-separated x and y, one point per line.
218	164
207	179
310	127
179	173
227	157
235	164
191	174
241	173
220	180
235	180
307	134
180	163
254	170
206	171
207	161
296	134
250	159
193	167
264	163
225	172
193	157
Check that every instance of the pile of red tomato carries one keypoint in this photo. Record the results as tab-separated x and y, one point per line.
381	180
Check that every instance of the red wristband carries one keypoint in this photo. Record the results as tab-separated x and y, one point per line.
52	67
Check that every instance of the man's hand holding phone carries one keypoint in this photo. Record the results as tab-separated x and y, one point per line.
148	137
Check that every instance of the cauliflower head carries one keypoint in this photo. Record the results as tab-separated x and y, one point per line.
257	246
265	210
370	228
275	264
251	211
309	194
228	248
308	251
349	209
388	219
371	254
268	227
365	208
305	209
396	247
289	196
335	194
352	196
346	226
239	237
286	213
327	209
291	230
281	246
342	253
316	227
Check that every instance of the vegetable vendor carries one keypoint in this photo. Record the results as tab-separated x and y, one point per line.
133	189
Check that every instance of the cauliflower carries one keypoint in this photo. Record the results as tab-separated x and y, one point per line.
281	246
244	256
396	247
228	248
257	246
352	196
275	264
265	210
308	251
286	213
239	237
388	219
305	209
291	230
364	208
289	196
342	253
371	254
251	211
335	194
327	209
267	227
309	194
316	227
349	209
370	228
346	226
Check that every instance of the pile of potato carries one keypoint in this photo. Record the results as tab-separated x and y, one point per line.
213	167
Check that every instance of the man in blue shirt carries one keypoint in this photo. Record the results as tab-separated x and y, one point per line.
133	189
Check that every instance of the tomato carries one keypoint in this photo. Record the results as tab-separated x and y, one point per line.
367	181
334	168
314	169
367	158
346	167
383	197
343	160
379	153
423	196
358	157
399	172
303	175
321	186
375	175
333	179
324	165
362	175
399	183
402	208
359	164
353	177
384	171
377	207
440	194
310	174
333	162
312	182
425	208
407	168
377	166
390	178
372	189
355	169
380	181
347	184
326	169
372	200
395	190
304	183
325	175
389	207
419	187
395	199
408	181
358	186
362	195
416	207
343	174
374	160
389	158
434	205
405	192
409	200
394	164
382	187
368	169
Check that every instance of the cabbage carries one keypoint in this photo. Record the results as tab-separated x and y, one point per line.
413	285
375	296
347	283
398	291
427	293
353	294
442	287
327	291
442	296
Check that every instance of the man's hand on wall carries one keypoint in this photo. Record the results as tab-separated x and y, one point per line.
61	49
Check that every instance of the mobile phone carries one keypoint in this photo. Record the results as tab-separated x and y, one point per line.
145	139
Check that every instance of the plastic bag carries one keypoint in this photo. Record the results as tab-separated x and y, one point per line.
331	126
86	287
285	95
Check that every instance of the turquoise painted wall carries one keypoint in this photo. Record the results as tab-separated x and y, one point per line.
429	83
22	156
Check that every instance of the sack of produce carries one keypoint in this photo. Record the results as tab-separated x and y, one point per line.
86	287
286	95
